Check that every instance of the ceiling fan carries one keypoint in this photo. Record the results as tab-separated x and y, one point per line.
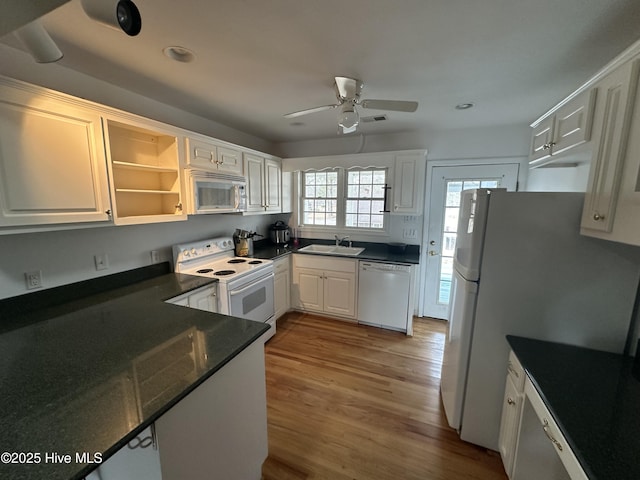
348	91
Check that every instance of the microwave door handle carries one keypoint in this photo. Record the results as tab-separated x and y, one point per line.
236	189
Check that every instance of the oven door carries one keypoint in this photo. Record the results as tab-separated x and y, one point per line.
217	195
253	300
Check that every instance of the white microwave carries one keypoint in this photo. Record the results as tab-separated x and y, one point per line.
216	193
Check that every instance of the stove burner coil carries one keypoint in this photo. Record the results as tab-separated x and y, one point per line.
205	270
222	273
237	260
255	262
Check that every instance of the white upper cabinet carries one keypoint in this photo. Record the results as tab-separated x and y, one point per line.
568	127
264	185
52	163
408	184
204	153
144	172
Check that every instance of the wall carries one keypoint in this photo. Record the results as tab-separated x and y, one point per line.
67	256
559	179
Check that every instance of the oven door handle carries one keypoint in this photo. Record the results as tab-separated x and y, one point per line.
251	285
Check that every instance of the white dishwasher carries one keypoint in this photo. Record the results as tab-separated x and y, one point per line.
384	294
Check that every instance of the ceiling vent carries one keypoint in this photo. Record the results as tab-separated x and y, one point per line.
374	118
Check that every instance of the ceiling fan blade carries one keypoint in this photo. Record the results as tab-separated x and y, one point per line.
393	105
310	110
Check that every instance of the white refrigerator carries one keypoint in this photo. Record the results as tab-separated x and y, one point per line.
522	268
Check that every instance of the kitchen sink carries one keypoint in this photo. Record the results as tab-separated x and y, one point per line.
332	250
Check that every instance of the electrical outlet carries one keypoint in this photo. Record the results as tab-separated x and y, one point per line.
33	279
410	233
410	219
102	261
155	256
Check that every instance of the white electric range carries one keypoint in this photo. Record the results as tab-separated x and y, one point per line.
245	287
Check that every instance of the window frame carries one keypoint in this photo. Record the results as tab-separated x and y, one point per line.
341	207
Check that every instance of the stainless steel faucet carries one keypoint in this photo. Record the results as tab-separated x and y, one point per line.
339	240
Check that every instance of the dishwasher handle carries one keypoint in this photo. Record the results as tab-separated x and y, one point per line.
385	267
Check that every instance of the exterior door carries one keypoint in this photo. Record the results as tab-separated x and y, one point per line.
443	207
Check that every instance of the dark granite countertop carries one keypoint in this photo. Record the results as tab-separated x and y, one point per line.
372	251
90	374
594	398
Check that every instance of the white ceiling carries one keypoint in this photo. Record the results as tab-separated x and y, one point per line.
257	60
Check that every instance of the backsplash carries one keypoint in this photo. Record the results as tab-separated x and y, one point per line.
68	256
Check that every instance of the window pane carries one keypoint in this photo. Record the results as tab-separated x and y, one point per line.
364	206
321	191
364	221
378	191
365	191
366	177
354	177
353	191
332	206
451	219
471	184
310	191
352	206
308	217
310	178
331	219
377	206
379	177
350	220
489	184
377	221
332	191
321	178
453	194
332	178
320	205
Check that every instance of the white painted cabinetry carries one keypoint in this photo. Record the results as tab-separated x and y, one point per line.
408	186
52	161
282	285
263	183
144	172
612	201
203	298
511	410
203	153
567	127
325	285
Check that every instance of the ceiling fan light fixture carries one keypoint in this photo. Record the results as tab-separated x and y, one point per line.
348	117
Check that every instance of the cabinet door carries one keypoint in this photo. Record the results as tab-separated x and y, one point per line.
573	122
282	286
138	459
287	192
309	289
254	173
229	160
52	162
541	139
408	183
272	185
340	294
511	408
201	154
206	300
611	125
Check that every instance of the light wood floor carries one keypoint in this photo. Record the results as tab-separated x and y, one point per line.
346	401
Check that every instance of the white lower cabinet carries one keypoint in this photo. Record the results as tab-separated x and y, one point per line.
511	410
531	444
204	298
282	285
325	285
217	431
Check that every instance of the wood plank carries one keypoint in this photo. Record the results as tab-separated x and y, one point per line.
348	401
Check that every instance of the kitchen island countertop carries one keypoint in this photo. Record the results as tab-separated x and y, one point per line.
76	377
594	397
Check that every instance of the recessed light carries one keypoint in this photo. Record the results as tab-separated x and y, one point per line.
464	106
179	54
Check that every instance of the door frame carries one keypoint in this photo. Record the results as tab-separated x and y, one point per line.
459	162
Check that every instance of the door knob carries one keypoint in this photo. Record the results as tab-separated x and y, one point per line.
432	242
433	253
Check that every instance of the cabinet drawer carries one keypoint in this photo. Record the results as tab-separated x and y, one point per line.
281	265
323	262
553	434
515	372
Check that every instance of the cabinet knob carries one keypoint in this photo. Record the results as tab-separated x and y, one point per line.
597	217
108	212
179	206
511	401
546	146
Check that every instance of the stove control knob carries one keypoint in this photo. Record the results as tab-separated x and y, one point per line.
186	253
193	252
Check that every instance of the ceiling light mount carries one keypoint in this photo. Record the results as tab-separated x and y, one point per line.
179	54
38	43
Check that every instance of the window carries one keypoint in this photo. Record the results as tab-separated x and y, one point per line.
320	198
344	199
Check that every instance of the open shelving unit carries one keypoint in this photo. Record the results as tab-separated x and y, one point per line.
144	174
